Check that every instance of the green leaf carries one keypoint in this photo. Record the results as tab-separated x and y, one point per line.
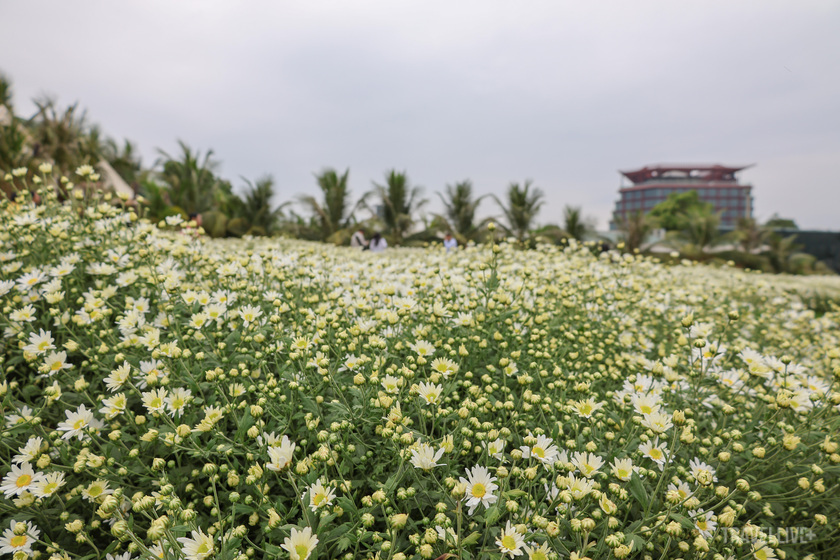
344	543
637	541
637	489
274	550
472	539
493	515
683	520
347	505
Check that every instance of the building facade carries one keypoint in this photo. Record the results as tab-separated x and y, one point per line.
715	184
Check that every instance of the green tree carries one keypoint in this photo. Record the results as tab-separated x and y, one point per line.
521	206
155	199
781	248
13	137
672	214
64	138
636	228
701	228
750	235
124	159
193	184
574	224
400	201
459	209
256	206
333	212
6	92
777	222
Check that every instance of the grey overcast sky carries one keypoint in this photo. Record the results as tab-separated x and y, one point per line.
565	93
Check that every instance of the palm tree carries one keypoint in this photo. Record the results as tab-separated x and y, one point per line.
573	223
459	209
332	212
399	203
523	204
125	160
6	92
702	229
751	235
64	138
636	226
193	184
256	206
13	153
155	198
780	251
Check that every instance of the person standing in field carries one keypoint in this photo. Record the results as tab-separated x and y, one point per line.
449	242
377	243
358	240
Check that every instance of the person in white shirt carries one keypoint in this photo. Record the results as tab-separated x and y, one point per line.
358	240
377	243
449	242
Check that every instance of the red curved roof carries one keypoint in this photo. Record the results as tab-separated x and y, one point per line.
702	172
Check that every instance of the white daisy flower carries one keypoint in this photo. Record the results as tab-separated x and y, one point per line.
479	488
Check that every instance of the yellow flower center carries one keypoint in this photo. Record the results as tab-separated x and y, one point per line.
23	480
761	554
18	541
95	491
56	366
538	451
655	454
539	555
702	525
43	345
319	498
79	424
646	409
509	542
203	548
478	490
50	487
623	473
302	550
585	409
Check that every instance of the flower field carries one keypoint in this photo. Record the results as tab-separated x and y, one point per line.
165	395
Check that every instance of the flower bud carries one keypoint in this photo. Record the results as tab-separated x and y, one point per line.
398	520
119	529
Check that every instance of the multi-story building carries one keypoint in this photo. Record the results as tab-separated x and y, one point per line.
715	184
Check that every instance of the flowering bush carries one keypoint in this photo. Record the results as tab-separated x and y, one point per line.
169	396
